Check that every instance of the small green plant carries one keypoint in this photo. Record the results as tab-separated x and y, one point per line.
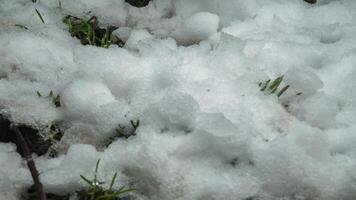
123	132
97	192
272	87
56	99
89	32
39	15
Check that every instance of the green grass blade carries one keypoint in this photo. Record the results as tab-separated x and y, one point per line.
87	180
112	181
21	26
97	166
264	85
275	84
39	15
122	191
283	90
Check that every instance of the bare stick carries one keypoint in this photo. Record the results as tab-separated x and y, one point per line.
30	163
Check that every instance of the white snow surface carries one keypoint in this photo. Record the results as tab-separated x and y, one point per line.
189	72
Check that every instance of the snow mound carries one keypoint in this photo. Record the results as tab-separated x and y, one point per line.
196	28
186	88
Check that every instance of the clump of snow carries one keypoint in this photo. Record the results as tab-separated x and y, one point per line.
229	10
13	173
189	73
137	36
305	82
83	99
196	28
174	111
319	110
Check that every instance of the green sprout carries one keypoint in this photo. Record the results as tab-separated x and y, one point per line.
272	88
97	192
56	99
89	32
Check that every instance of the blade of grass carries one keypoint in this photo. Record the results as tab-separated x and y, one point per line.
264	85
282	90
112	181
21	26
86	180
97	168
124	191
39	15
275	84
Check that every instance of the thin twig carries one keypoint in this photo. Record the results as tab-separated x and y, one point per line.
30	163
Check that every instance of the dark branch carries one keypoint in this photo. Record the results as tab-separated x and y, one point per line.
30	163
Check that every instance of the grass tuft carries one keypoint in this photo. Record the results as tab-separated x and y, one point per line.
89	32
97	192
